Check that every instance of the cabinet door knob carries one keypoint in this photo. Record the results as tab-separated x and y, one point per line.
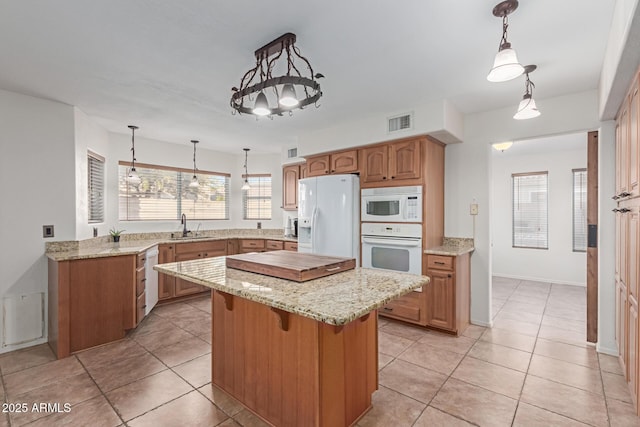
387	309
384	177
206	254
333	170
448	275
393	177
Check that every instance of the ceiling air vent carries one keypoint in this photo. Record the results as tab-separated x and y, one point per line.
399	123
292	153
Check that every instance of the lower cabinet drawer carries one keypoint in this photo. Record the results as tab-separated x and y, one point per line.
275	245
140	281
291	246
393	309
141	305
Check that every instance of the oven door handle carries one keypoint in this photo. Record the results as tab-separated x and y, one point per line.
394	242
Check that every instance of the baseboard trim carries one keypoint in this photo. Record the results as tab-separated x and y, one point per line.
480	323
607	350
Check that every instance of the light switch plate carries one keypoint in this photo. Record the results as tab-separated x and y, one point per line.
473	209
47	231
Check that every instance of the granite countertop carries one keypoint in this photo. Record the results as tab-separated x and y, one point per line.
337	299
452	246
135	243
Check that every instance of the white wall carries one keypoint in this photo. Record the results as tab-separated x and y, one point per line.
181	155
558	263
37	172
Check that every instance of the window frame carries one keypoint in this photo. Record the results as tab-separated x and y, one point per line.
244	197
573	208
95	159
513	210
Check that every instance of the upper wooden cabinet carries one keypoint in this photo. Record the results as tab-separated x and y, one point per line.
290	176
633	140
627	150
340	162
392	162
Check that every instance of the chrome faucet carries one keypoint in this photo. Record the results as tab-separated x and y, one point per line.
183	221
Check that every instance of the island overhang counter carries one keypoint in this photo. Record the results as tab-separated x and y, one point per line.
296	353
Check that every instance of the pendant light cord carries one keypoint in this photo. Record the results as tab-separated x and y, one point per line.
133	148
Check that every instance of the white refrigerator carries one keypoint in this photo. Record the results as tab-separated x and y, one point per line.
329	216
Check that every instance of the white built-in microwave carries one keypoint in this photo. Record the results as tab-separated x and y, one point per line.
392	204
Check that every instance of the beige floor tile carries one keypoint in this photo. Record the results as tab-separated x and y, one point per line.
155	340
615	387
382	321
519	307
152	323
610	364
107	354
95	412
509	339
474	331
475	404
585	356
196	372
193	322
531	416
228	404
414	381
431	357
552	333
27	358
528	297
501	355
192	409
41	375
572	325
383	360
206	338
247	419
566	312
173	309
566	373
392	345
183	351
413	333
391	409
448	342
524	328
622	414
432	417
203	304
229	423
124	371
565	400
141	396
523	316
489	376
70	390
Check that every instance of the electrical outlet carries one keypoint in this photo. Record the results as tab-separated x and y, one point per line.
473	209
259	225
47	231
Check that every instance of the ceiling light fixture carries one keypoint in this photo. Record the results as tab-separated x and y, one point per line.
194	181
282	90
505	65
527	108
501	146
246	185
132	176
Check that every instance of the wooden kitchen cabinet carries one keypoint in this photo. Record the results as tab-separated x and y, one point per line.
166	283
396	161
448	293
232	246
633	151
291	246
274	245
252	245
409	308
338	162
290	176
140	287
196	250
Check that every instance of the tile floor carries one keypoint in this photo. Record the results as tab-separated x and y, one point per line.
532	369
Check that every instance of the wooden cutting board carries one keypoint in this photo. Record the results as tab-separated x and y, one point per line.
289	265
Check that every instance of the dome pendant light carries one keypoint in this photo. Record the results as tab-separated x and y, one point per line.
132	176
505	65
288	97
246	185
194	181
261	107
527	108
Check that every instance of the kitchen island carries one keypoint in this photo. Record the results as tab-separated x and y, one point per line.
296	353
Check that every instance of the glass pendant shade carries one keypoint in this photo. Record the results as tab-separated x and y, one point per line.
194	182
246	185
288	97
133	177
505	66
261	107
527	109
501	146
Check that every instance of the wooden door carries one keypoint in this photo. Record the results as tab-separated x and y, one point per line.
405	160
441	300
344	162
166	283
290	187
232	246
632	350
376	163
633	252
318	165
622	158
621	323
592	227
303	171
634	135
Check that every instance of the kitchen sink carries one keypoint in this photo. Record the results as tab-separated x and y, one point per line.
189	237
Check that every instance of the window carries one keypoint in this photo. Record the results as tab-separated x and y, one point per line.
579	210
95	187
530	210
256	201
164	194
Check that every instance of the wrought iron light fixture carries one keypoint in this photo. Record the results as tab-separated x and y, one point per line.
132	176
277	95
527	108
194	181
246	185
505	65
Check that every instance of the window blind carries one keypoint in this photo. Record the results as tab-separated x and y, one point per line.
95	192
256	201
579	210
530	221
164	194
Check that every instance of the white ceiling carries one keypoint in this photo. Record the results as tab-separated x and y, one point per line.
168	66
536	146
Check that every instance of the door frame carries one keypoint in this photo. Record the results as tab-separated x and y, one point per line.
592	240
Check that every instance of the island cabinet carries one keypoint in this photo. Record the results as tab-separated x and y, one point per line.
92	301
411	308
334	163
448	293
392	162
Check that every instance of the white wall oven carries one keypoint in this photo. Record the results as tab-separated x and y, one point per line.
392	204
396	247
